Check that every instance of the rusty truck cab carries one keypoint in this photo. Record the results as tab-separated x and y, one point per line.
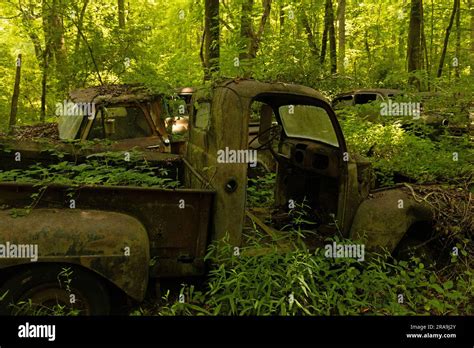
307	143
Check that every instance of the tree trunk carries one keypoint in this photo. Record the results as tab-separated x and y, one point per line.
249	39
16	93
446	38
426	63
53	29
414	52
471	6
367	48
431	38
332	36
80	23
44	81
57	33
211	37
323	45
341	19
121	13
458	39
257	38
59	46
245	29
401	43
424	47
309	34
282	19
329	30
43	55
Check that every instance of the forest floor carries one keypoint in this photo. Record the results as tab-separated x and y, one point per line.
47	130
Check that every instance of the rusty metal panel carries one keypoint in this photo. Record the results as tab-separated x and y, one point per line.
177	221
111	244
34	151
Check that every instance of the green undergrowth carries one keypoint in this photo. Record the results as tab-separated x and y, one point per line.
398	155
100	169
260	190
304	282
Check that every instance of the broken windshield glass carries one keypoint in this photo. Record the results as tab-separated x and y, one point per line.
308	122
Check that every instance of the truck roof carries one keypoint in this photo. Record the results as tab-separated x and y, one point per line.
114	94
250	88
120	94
384	91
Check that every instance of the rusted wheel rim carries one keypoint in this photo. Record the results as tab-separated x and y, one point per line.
49	295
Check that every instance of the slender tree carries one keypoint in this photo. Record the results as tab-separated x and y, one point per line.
53	29
309	34
257	37
121	13
211	38
446	37
42	50
329	32
281	18
458	39
246	31
80	24
471	6
16	94
414	54
341	29
249	38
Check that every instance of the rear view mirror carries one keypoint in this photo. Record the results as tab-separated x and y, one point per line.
109	127
266	114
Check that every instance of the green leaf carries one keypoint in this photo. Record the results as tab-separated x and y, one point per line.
448	285
437	288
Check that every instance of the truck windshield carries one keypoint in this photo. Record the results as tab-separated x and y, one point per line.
308	122
69	126
118	123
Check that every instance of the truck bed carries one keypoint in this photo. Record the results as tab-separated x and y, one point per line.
177	221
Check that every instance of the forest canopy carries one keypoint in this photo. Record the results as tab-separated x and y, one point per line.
330	45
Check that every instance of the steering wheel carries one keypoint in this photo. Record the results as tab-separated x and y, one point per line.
269	141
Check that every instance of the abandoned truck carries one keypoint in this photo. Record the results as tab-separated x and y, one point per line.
113	233
110	118
130	114
411	110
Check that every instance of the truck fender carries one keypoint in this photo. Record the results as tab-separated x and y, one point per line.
385	216
113	245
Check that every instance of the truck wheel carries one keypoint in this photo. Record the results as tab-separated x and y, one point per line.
49	289
413	244
411	247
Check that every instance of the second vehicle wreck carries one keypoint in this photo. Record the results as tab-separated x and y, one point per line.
130	114
113	232
410	109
